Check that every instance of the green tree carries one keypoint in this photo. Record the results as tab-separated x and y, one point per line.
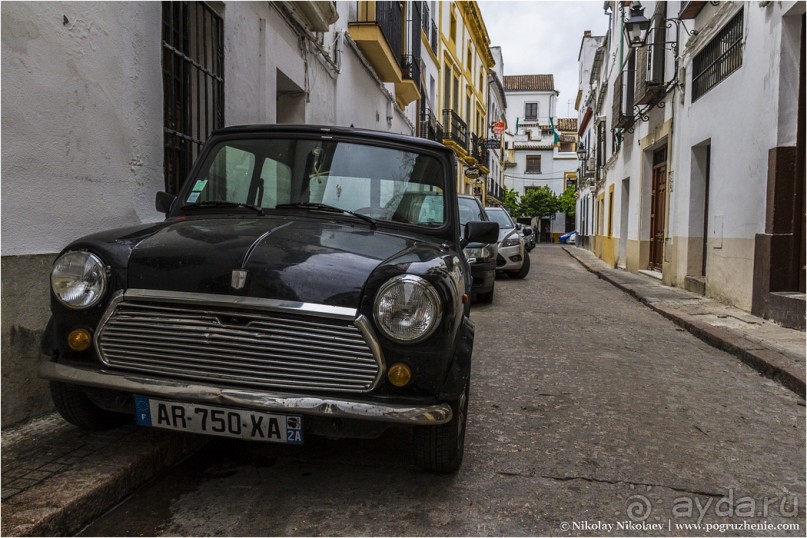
567	202
540	202
511	202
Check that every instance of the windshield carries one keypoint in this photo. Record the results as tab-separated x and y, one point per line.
383	183
497	215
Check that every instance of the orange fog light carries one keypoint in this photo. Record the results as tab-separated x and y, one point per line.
399	374
79	339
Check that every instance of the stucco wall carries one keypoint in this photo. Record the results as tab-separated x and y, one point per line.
731	118
81	123
25	313
81	151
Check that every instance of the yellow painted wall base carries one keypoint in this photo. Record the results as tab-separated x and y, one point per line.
606	249
638	255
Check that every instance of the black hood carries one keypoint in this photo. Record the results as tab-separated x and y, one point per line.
306	260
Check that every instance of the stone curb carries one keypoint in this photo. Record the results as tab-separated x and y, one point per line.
66	502
768	362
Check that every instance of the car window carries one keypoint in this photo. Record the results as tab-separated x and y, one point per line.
470	210
383	183
504	220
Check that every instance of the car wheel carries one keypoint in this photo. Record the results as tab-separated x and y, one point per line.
76	408
439	449
525	268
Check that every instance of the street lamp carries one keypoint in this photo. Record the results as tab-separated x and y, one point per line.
581	152
636	26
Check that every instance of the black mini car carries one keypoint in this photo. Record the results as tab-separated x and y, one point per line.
306	280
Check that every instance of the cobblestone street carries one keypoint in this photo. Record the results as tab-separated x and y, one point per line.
590	414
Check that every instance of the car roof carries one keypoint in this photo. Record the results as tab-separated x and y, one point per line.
368	134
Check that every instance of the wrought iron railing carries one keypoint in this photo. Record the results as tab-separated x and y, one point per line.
388	16
410	68
433	37
425	18
455	129
722	56
430	128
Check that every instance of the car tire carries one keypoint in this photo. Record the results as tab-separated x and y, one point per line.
439	449
525	268
76	408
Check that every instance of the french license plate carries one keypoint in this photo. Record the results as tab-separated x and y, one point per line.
222	421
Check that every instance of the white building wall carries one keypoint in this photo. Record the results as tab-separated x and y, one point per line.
741	119
82	120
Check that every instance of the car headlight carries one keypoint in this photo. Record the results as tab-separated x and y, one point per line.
511	241
78	279
479	254
407	308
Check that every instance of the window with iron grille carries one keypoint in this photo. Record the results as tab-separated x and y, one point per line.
722	56
533	164
193	84
530	111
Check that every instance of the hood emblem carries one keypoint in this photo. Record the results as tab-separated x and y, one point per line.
238	279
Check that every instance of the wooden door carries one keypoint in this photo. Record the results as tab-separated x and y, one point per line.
658	205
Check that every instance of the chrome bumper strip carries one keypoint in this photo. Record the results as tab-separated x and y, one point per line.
249	398
204	299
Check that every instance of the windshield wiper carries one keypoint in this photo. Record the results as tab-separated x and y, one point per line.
222	203
326	207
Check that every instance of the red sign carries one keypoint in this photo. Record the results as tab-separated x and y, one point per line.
498	127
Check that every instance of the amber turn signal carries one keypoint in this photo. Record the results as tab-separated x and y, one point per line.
79	339
399	374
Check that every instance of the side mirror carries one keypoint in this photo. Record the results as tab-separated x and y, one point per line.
527	231
164	201
518	226
477	231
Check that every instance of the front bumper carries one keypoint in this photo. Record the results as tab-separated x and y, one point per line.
484	276
429	415
506	255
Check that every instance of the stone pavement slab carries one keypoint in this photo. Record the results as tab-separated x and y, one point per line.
57	478
775	351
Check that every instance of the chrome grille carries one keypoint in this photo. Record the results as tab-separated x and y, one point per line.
238	346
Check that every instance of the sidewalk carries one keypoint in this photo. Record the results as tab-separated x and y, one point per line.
57	478
775	351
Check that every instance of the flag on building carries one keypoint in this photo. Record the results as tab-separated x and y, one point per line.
555	133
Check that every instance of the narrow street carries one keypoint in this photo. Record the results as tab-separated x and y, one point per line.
588	410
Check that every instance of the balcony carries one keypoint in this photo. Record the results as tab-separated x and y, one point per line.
690	10
429	27
495	191
623	101
430	128
378	32
455	135
477	150
407	90
317	16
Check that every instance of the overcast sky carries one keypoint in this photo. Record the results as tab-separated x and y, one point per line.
543	37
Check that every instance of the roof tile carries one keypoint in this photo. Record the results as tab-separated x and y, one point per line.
529	83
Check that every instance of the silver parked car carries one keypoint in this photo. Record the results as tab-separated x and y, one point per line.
513	258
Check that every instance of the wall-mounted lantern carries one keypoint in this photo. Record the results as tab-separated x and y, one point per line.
581	152
636	26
